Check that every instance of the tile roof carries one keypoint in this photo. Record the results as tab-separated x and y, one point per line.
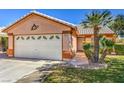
104	30
55	19
44	15
80	29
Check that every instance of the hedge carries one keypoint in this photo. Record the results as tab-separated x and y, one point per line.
119	49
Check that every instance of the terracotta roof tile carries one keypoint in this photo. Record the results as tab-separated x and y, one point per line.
104	30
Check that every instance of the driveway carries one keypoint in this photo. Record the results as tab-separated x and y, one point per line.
12	69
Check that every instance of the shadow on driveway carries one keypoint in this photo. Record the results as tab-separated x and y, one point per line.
3	55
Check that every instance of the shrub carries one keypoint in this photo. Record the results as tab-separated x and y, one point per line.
108	52
119	49
4	43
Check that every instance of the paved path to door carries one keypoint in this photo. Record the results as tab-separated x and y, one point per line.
13	69
79	59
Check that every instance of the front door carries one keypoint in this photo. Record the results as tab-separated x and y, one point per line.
80	43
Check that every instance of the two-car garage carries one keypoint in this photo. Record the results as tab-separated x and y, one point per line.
38	46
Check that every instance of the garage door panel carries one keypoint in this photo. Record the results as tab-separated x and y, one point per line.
39	48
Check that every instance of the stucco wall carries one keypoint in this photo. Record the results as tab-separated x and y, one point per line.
44	26
89	39
10	42
66	41
74	43
80	43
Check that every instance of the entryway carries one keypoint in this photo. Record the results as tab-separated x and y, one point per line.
79	59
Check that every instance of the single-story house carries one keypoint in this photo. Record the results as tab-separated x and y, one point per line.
1	36
38	35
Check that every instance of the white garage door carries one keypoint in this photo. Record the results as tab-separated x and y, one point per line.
39	46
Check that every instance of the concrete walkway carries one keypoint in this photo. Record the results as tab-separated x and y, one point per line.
79	59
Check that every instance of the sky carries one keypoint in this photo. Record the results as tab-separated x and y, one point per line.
75	16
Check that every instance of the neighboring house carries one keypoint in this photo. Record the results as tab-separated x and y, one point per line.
2	35
37	35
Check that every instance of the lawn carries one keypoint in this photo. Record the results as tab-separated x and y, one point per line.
114	73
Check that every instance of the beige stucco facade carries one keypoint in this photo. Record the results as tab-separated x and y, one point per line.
45	26
82	39
72	41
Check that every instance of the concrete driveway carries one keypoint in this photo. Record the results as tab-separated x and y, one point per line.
13	69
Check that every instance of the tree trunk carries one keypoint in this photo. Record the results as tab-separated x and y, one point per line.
96	44
101	60
89	55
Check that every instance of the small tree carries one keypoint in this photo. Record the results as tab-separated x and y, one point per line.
88	52
106	45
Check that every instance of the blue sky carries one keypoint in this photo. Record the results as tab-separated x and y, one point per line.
8	16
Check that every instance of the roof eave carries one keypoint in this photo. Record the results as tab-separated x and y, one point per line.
51	18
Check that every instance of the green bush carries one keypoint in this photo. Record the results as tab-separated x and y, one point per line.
4	43
108	52
119	49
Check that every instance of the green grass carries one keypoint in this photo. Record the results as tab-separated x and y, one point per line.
114	73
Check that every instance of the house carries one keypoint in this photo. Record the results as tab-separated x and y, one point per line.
37	35
86	35
1	36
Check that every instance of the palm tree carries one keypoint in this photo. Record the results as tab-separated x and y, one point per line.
96	20
118	24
